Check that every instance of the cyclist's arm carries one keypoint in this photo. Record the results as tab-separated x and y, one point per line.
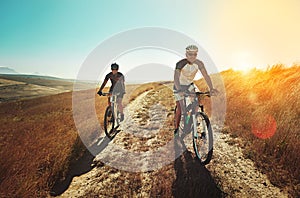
104	82
204	74
176	79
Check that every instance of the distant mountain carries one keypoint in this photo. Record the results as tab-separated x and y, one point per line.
7	70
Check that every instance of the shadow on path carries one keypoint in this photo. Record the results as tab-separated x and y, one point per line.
192	178
81	166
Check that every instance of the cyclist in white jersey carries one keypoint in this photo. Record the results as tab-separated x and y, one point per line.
185	72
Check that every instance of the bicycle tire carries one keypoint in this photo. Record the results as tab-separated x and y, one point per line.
203	145
109	122
174	123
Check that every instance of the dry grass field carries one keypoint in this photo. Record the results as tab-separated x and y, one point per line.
39	141
263	108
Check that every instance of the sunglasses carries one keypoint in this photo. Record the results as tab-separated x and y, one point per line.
192	54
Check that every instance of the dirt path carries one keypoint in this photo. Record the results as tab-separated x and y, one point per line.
148	127
238	175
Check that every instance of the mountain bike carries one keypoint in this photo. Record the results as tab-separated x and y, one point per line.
112	116
195	120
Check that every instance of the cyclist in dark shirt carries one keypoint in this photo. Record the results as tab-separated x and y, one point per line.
117	86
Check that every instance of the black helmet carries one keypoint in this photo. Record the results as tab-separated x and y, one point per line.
114	66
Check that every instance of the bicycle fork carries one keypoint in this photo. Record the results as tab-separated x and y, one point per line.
195	134
196	124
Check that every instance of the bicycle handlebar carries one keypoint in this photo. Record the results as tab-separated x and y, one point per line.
109	94
203	93
106	94
198	93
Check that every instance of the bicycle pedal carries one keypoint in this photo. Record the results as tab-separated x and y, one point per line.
118	131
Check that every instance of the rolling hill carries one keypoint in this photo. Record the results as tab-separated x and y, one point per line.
39	143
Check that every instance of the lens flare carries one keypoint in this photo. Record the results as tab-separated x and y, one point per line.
265	127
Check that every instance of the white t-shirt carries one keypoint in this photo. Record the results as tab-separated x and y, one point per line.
188	71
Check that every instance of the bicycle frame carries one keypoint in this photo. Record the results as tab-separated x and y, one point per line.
114	106
199	125
191	103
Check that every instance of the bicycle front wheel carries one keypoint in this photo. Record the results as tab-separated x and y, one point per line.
203	138
109	122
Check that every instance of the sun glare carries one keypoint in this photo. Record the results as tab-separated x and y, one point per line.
264	128
242	61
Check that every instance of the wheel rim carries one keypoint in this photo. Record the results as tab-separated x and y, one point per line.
109	122
202	140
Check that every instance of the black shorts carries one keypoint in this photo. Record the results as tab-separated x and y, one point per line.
184	88
119	95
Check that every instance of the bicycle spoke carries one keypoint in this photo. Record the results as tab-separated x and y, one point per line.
202	140
109	123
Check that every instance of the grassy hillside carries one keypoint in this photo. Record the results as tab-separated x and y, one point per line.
38	138
14	87
39	141
263	108
47	81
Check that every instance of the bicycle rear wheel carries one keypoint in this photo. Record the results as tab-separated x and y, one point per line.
109	122
203	139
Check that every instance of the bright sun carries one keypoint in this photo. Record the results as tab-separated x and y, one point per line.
242	61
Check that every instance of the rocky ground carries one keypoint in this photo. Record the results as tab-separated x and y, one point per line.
238	175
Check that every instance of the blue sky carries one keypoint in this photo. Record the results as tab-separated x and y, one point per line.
55	37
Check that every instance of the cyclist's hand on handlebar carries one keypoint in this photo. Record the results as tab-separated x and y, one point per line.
214	92
99	93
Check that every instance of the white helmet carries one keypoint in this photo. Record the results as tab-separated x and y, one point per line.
191	48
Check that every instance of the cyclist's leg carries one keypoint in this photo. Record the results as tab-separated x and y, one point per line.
119	100
180	108
120	106
177	114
